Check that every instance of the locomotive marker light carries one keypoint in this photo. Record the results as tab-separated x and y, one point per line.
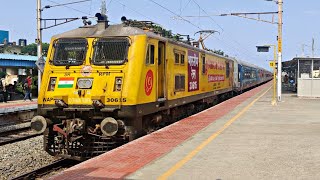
38	124
109	126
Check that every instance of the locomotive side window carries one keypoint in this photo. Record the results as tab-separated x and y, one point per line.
182	59
179	82
227	70
69	52
176	58
203	64
150	54
179	57
110	51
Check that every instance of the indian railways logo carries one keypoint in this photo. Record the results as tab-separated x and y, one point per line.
86	70
148	83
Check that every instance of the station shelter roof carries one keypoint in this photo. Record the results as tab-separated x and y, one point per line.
13	60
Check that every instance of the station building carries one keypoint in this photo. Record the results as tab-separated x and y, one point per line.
13	64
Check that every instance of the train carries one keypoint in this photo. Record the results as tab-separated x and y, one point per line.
105	85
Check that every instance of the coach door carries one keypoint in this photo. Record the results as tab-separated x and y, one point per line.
161	71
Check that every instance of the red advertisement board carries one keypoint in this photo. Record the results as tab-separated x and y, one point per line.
193	71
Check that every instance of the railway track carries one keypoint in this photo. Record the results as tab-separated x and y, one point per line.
16	135
45	170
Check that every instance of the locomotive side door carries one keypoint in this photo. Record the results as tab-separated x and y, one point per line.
161	71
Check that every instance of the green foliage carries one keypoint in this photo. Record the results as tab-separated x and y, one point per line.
34	82
2	74
31	49
219	52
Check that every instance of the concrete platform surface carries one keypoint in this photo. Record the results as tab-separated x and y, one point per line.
230	135
265	142
19	105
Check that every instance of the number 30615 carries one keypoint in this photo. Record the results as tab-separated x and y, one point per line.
116	99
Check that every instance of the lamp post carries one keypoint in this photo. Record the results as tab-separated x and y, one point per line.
280	2
265	48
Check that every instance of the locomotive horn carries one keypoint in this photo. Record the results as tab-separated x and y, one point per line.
123	19
38	124
109	126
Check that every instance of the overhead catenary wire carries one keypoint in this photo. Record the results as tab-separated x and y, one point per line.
207	14
75	2
134	10
245	50
71	8
176	14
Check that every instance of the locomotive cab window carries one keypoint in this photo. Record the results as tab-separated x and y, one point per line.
150	54
110	51
69	52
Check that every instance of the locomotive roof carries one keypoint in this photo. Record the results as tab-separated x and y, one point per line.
122	30
99	31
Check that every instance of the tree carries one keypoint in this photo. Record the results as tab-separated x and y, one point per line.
31	49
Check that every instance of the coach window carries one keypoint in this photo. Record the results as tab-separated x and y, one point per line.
150	54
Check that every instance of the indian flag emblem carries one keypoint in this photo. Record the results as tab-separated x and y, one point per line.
65	82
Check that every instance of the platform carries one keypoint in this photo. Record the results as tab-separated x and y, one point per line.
19	105
242	138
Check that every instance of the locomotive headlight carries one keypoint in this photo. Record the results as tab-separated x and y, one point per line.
84	83
117	84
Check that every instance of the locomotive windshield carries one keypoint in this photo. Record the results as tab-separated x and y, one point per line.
69	52
110	51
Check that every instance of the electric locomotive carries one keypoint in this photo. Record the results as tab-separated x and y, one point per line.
104	85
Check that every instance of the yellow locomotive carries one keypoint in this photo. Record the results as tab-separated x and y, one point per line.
104	85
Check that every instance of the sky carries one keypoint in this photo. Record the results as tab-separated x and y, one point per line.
237	37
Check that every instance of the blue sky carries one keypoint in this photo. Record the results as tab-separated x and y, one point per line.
238	37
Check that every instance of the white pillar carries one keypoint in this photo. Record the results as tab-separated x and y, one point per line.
279	76
39	40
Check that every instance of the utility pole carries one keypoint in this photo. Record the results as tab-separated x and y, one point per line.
39	41
313	47
280	3
103	7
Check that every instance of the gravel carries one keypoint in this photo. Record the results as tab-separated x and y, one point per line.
22	157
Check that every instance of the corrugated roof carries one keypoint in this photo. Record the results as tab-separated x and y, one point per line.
18	57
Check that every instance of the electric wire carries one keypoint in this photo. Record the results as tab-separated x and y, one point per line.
75	2
70	8
134	10
198	26
247	52
176	14
181	10
207	14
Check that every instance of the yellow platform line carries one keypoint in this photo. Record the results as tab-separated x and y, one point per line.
188	157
